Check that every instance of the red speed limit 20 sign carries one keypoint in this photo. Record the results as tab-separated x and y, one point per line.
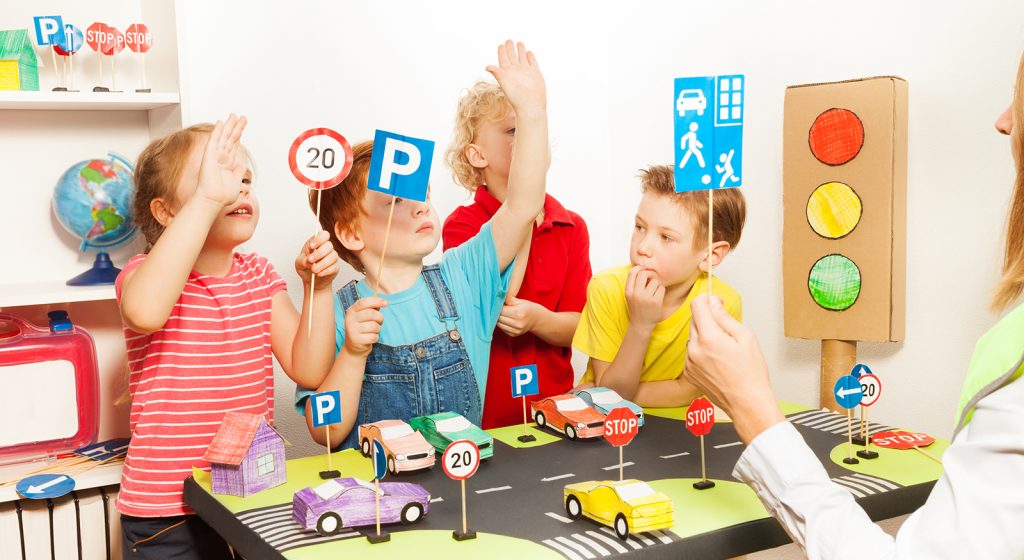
320	158
461	459
621	426
700	417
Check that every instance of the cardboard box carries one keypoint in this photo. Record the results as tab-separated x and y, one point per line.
826	176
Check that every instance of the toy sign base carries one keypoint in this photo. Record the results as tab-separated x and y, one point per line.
850	461
704	484
865	454
460	536
329	474
526	438
857	440
374	538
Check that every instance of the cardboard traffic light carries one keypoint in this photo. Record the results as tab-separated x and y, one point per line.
844	210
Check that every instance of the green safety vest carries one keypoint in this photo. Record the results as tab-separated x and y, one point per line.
998	360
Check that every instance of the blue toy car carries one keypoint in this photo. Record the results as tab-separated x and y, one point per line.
605	400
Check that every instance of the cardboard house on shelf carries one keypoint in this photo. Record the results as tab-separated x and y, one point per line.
19	67
246	455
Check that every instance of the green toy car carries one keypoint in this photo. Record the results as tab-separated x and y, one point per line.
445	427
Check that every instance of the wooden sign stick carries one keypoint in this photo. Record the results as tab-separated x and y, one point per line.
312	275
711	229
387	233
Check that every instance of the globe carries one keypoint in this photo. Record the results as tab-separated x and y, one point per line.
93	202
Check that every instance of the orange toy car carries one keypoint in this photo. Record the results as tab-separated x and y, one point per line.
569	414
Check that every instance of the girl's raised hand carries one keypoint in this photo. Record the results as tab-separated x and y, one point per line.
318	257
520	78
220	173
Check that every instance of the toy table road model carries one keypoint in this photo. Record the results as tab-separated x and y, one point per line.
514	501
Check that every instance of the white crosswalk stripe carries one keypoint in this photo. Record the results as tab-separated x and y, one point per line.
609	541
586	540
277	528
862	485
567	552
579	547
555	516
833	422
592	544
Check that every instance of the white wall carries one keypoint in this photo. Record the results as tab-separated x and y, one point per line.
400	66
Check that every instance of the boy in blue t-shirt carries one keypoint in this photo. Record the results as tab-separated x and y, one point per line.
423	345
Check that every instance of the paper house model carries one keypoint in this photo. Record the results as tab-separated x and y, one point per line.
19	67
246	455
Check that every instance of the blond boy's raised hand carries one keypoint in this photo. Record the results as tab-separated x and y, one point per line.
221	172
520	78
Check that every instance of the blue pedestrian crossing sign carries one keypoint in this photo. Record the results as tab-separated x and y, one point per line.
848	391
524	381
708	113
380	460
326	408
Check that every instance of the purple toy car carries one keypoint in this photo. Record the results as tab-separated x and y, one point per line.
349	502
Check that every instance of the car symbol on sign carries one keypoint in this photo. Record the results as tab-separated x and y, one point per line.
691	100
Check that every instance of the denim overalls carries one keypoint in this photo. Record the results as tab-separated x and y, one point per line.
429	376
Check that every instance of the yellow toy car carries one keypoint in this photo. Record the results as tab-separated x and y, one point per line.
624	505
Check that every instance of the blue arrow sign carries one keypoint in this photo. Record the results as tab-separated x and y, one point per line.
105	449
380	460
43	486
859	370
848	391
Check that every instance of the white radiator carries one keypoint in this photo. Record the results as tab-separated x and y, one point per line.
83	525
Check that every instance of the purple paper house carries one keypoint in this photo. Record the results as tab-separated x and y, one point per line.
246	455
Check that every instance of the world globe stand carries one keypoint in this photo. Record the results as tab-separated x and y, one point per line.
102	272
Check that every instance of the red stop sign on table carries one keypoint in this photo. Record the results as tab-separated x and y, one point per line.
138	38
700	417
114	42
902	440
96	36
621	426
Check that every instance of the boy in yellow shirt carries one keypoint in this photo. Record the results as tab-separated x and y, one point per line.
637	318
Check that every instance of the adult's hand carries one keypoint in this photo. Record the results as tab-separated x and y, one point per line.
725	362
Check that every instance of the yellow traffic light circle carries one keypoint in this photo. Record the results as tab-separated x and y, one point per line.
833	210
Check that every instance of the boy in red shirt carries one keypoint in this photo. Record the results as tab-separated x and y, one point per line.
552	269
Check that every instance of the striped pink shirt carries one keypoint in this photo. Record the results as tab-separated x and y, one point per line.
211	357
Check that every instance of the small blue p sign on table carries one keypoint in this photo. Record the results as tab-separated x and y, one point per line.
525	383
326	410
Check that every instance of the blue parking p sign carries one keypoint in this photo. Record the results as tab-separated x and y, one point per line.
708	114
326	408
49	31
400	165
524	381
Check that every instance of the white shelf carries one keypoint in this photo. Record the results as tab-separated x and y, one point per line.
39	293
104	475
85	101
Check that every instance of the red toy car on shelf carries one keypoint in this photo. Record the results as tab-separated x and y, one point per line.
569	414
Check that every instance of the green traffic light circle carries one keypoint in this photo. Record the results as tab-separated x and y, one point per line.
834	282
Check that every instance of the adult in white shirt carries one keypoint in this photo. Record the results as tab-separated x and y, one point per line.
976	510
